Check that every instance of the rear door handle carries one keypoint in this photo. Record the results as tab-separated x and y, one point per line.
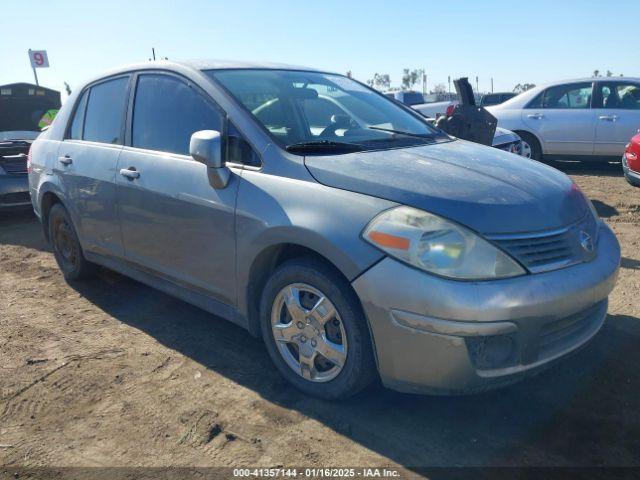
536	116
608	118
131	173
66	160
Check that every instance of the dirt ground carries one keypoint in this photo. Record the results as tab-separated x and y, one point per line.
112	373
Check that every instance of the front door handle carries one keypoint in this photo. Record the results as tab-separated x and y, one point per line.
66	160
608	118
536	116
131	173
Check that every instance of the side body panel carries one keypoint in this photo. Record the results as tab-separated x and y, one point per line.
614	128
562	131
273	210
89	185
175	223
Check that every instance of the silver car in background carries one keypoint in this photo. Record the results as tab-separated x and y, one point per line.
591	118
357	240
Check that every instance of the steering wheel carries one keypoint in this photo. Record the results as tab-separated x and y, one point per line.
338	122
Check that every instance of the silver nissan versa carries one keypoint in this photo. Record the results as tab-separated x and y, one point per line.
357	240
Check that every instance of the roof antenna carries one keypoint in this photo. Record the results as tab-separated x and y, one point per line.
153	51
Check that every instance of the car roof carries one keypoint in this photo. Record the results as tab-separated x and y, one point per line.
591	79
195	66
208	64
203	65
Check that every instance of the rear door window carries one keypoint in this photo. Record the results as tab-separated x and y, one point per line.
106	111
618	95
167	111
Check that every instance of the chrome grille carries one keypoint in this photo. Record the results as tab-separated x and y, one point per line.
543	251
15	198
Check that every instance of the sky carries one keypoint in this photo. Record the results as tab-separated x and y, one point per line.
513	42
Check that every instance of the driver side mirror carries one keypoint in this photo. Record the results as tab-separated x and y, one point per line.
206	147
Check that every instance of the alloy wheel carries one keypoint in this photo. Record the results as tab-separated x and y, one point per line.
526	149
309	333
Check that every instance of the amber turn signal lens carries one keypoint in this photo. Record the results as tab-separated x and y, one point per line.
389	241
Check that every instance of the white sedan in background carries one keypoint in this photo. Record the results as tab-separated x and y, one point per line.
589	118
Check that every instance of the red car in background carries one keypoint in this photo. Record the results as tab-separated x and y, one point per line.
631	161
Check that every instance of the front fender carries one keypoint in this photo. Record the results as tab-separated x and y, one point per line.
273	211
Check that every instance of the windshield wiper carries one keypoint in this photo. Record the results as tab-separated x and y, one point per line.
323	146
427	136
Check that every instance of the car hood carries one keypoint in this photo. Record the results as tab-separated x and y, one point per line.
483	188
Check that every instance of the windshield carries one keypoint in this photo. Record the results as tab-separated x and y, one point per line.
302	108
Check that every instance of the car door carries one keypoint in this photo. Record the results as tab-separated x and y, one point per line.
87	160
562	118
174	223
618	116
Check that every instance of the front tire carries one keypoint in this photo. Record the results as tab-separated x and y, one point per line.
66	246
632	181
315	331
534	145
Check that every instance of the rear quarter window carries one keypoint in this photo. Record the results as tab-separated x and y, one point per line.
75	130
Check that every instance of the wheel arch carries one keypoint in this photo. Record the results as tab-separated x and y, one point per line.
520	131
263	266
48	197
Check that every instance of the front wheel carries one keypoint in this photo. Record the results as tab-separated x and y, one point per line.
525	149
314	330
632	181
535	150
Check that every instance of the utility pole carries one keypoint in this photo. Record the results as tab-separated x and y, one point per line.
449	80
477	88
424	83
491	84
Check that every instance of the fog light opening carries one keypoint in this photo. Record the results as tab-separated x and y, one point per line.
491	352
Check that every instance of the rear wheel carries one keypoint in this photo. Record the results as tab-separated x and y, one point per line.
534	145
314	330
66	246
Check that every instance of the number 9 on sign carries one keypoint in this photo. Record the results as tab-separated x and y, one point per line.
39	58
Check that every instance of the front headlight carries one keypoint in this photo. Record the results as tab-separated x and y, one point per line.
439	246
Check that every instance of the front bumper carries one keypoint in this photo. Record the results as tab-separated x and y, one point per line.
632	176
14	192
434	335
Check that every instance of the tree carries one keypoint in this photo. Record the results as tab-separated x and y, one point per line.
381	81
523	87
439	88
608	73
411	77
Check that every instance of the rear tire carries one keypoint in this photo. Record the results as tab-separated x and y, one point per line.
66	246
297	354
536	149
